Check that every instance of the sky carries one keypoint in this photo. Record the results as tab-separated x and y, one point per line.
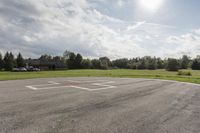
96	28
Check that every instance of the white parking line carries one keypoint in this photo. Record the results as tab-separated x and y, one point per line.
31	87
34	87
104	88
103	85
50	83
74	81
82	88
47	88
53	82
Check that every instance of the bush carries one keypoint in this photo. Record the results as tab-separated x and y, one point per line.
184	73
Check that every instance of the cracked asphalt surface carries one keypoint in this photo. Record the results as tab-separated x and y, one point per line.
133	106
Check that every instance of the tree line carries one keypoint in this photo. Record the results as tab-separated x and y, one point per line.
8	61
76	61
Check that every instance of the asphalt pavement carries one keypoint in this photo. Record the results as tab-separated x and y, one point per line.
98	105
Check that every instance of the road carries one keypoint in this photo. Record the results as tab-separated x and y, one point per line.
98	105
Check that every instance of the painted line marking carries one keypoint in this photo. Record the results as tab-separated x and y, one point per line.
34	87
47	88
82	88
31	87
73	81
102	84
50	83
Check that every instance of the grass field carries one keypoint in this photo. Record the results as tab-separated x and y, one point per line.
155	74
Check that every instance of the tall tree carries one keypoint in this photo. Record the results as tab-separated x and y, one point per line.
185	61
20	60
96	64
104	62
86	64
160	63
120	63
141	64
71	61
66	54
78	60
196	64
9	61
58	59
172	65
45	58
1	62
151	63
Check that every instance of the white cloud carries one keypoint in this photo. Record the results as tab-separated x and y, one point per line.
133	27
49	26
188	43
120	3
53	26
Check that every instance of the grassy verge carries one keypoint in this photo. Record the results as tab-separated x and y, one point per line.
153	74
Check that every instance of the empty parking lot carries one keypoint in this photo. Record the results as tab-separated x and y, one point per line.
99	105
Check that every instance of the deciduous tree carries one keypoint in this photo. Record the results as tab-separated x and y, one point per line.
172	65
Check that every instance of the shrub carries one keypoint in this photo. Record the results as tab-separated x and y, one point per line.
184	73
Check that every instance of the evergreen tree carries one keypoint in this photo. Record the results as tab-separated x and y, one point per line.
78	60
196	64
1	62
71	61
20	61
9	61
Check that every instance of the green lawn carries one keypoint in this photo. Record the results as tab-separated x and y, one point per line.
156	74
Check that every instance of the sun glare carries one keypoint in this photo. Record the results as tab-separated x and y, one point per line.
151	4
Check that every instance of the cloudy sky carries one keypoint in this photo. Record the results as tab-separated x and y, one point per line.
94	28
